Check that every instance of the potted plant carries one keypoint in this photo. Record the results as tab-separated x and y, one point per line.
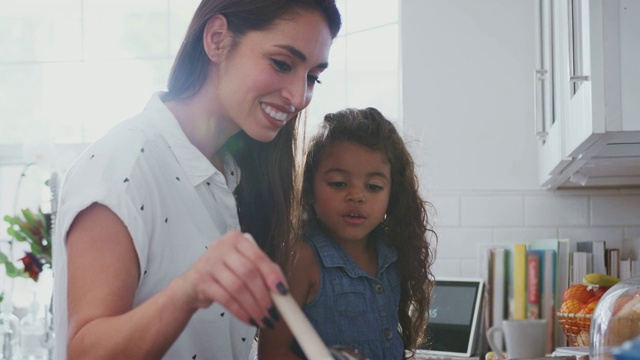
34	229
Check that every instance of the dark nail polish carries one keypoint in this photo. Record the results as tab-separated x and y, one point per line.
283	289
253	322
275	315
267	322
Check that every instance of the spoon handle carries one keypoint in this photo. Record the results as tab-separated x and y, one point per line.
308	339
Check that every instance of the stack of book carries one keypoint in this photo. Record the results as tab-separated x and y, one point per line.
527	279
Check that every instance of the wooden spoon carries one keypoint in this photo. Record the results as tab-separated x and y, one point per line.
308	339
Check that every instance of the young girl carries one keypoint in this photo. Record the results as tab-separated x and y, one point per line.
362	273
149	259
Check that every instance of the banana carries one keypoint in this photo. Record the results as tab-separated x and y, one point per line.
600	279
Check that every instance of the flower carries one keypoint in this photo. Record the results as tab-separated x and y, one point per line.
33	228
32	265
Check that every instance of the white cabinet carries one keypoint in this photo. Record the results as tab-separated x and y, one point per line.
587	92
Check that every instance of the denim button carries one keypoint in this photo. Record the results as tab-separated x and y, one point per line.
388	334
379	288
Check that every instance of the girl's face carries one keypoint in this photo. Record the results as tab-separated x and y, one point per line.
351	191
270	75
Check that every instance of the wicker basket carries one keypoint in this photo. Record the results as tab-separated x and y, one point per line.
575	327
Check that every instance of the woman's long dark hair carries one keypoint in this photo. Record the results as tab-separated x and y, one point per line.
267	190
406	224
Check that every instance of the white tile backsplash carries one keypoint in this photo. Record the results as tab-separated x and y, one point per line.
545	210
514	235
447	267
469	221
459	243
615	210
489	210
631	232
469	268
447	210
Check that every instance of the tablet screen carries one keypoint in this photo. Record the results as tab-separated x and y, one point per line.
454	317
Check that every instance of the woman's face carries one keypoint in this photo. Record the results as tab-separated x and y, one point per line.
270	75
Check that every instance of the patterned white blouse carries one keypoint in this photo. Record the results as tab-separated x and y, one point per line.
173	202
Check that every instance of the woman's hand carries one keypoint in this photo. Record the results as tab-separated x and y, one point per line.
238	275
104	274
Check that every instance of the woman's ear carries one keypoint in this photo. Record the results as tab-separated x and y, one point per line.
216	38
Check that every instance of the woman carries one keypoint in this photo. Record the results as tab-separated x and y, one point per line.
149	259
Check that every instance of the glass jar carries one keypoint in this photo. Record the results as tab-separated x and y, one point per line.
615	319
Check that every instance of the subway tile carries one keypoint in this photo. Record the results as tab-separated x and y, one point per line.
517	235
447	210
456	243
446	268
556	210
492	210
613	236
615	210
632	232
470	268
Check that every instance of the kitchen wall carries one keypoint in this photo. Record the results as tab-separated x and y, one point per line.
467	103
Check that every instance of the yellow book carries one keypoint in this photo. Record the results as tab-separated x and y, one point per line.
519	282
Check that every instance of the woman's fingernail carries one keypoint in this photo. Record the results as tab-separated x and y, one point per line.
253	322
283	289
275	315
267	322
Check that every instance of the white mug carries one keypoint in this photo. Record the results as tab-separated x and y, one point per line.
523	338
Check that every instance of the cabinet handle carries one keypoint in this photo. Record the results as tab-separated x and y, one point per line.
579	78
539	76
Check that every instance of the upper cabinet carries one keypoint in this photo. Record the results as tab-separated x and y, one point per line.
587	92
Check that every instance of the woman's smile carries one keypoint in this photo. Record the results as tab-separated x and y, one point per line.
275	117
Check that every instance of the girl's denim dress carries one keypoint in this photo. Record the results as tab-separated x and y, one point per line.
352	308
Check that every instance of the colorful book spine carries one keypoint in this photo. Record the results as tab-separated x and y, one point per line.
533	284
498	290
548	294
519	282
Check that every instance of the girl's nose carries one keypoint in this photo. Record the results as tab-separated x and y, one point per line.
356	196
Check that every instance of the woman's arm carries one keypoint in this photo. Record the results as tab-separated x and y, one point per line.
104	274
303	281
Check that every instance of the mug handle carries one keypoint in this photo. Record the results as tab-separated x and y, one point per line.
494	347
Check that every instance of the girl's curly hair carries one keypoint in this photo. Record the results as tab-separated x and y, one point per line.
406	223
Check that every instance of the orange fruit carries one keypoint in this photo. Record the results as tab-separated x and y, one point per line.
599	291
571	306
584	322
577	292
570	323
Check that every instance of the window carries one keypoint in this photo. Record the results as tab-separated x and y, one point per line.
364	62
71	69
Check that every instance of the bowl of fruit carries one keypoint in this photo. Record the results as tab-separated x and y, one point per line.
578	303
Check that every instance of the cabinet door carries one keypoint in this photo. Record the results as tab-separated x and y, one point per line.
571	59
582	20
551	93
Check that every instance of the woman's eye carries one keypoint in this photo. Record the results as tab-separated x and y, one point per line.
282	66
312	79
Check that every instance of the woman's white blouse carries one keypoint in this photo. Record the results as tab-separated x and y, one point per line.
174	204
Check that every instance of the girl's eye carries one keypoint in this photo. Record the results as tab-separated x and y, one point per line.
282	66
337	184
374	188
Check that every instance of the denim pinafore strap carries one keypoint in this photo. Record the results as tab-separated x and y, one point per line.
352	308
